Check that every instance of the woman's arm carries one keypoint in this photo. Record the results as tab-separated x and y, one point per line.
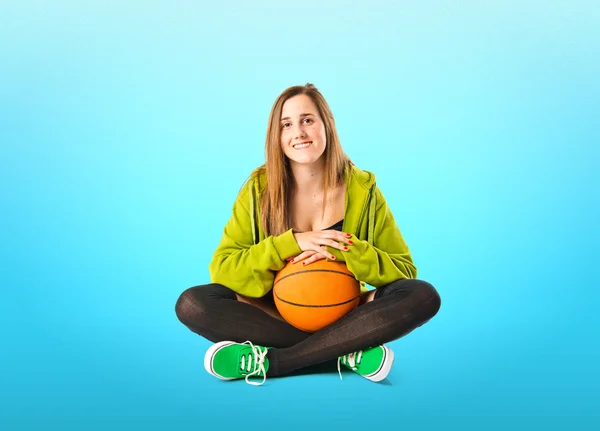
247	268
387	259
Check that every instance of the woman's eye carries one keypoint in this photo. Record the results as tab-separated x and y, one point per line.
285	125
308	120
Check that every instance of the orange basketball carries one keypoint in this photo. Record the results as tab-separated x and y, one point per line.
316	295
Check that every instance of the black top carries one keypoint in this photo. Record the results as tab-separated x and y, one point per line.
337	226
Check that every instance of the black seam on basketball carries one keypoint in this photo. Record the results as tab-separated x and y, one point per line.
316	306
315	270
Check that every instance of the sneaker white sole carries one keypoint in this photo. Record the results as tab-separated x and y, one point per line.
210	353
386	366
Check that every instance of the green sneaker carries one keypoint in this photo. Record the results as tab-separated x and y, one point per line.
373	364
228	360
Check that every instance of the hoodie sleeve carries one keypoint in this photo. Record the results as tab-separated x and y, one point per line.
388	259
247	268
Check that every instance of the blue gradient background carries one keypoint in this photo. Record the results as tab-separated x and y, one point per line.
127	128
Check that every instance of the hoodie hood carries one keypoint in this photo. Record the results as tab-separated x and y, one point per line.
360	204
360	193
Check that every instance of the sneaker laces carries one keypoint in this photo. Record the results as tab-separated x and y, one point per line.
351	360
254	364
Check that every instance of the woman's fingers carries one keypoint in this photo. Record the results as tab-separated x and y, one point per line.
315	257
309	255
335	239
303	255
318	252
341	237
334	244
316	241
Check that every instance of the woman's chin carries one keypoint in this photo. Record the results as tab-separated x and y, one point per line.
307	159
304	161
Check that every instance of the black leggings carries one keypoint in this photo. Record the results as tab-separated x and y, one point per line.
213	312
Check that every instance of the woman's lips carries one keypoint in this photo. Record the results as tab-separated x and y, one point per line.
302	145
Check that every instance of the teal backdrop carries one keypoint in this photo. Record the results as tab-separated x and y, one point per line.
127	128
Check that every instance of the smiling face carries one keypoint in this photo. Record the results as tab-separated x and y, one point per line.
303	138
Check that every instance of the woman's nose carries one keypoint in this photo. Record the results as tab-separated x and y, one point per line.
300	132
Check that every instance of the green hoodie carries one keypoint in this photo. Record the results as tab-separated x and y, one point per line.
246	261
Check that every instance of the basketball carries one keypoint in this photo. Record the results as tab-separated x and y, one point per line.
314	296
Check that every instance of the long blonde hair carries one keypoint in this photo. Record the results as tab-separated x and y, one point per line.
276	217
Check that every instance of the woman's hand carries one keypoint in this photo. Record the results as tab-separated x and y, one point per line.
313	244
307	257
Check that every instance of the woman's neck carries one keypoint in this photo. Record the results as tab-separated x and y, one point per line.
309	178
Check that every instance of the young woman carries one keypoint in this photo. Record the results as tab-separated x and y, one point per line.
307	202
